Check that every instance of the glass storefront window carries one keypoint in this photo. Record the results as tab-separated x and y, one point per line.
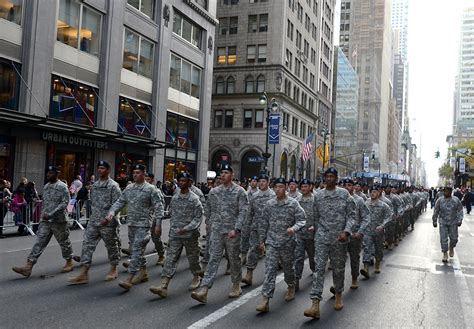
185	77
187	131
78	26
11	10
145	6
124	163
138	54
73	102
9	85
6	157
134	118
175	167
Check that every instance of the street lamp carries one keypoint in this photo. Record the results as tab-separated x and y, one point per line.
271	106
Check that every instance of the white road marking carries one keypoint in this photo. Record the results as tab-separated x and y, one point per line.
223	311
464	295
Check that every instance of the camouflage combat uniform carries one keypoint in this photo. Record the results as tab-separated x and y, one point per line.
389	232
227	210
305	238
245	243
380	215
449	213
279	216
334	213
156	238
55	202
145	206
362	220
103	193
397	214
295	195
186	213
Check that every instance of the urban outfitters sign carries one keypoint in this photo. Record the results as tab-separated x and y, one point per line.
73	140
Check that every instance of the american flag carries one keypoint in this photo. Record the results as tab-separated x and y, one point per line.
307	147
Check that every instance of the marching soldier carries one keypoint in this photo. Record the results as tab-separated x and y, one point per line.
145	207
53	222
358	191
104	193
381	215
449	213
283	218
186	216
227	210
293	188
245	242
334	216
255	220
305	237
160	250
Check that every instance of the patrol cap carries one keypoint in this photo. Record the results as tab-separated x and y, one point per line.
151	175
103	163
139	167
184	175
292	180
52	168
305	181
347	180
227	167
330	170
279	180
263	176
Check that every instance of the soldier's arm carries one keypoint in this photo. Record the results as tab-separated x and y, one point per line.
62	205
388	214
315	214
459	213
350	214
119	204
436	211
243	209
300	217
197	216
158	203
116	193
365	217
263	225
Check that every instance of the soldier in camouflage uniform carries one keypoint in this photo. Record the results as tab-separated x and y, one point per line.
254	221
283	217
305	237
449	213
186	216
53	222
334	217
381	215
227	210
245	242
160	249
397	202
104	193
358	191
293	188
145	207
390	227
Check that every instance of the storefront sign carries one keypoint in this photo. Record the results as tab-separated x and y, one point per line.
258	159
73	140
274	129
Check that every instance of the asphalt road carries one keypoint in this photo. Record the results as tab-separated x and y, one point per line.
415	289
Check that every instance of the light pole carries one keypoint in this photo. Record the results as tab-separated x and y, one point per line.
271	106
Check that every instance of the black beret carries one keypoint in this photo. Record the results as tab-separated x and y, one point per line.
139	167
103	163
52	168
227	167
279	180
330	170
263	176
305	181
292	180
184	175
150	174
254	178
347	180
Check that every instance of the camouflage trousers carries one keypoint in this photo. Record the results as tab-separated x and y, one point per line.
245	239
390	232
398	227
373	244
337	254
205	252
285	256
253	251
303	247
157	241
354	247
45	231
218	243
92	236
173	253
448	233
139	238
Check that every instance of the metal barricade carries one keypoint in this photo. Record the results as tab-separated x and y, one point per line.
23	216
79	212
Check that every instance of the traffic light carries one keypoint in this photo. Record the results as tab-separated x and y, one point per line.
437	154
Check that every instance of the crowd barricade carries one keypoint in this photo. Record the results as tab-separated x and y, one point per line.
79	212
26	217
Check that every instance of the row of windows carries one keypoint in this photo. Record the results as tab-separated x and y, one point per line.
305	101
251	85
299	8
255	53
236	2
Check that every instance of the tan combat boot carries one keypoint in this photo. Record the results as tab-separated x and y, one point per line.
200	295
354	284
290	294
313	311
161	260
24	270
113	274
365	271
235	291
68	267
451	251
377	266
141	276
445	257
82	278
248	277
127	284
162	289
338	305
195	282
264	305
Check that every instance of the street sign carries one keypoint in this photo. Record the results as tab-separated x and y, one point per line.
366	163
255	159
465	151
274	129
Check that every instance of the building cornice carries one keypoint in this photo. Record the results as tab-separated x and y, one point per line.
202	12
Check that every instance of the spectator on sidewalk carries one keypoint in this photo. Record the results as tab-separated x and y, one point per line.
76	186
18	207
5	196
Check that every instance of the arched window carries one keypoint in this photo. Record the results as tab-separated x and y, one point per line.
293	166
249	85
220	85
230	85
219	158
251	164
260	84
284	165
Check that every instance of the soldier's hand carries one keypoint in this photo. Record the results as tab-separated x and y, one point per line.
181	231
158	230
435	225
104	222
379	228
110	216
459	224
311	229
342	237
262	247
290	231
232	234
357	236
